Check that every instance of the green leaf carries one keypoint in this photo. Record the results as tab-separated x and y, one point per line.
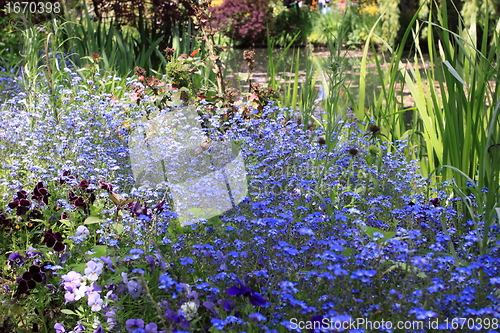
348	252
387	234
17	309
99	251
371	231
118	228
454	73
93	220
69	312
95	209
37	220
236	146
68	223
79	268
198	212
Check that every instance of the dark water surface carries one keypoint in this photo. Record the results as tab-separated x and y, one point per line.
348	68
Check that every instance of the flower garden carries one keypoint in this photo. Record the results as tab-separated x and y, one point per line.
347	225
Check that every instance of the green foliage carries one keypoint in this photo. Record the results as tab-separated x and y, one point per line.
353	24
43	56
327	26
389	9
181	70
455	135
9	44
292	24
120	50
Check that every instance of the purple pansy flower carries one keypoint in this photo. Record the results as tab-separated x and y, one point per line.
15	258
254	297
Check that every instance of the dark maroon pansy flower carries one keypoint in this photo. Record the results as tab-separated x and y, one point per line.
105	186
353	151
65	176
53	240
35	214
158	208
84	184
36	274
29	279
80	202
24	286
40	193
21	206
435	202
72	197
76	200
92	198
136	209
5	222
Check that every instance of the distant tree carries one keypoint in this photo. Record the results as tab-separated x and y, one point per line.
245	21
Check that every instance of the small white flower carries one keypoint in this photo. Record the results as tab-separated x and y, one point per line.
80	292
189	308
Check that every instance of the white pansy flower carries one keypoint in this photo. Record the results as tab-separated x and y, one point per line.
189	308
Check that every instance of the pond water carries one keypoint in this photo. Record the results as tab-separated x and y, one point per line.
348	69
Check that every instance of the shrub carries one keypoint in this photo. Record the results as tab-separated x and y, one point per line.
245	21
289	22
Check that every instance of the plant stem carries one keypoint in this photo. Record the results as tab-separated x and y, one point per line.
201	18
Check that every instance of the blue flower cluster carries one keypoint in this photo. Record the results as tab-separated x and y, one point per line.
336	225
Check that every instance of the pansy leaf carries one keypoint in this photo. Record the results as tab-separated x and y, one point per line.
118	200
99	251
118	228
69	312
79	268
347	252
93	220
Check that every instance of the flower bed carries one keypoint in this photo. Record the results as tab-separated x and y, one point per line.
337	234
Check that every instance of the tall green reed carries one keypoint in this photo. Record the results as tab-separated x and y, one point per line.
318	87
120	50
458	106
43	56
454	129
273	63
